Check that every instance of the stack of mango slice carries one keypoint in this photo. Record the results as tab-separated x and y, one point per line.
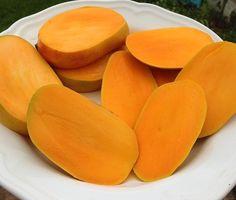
161	90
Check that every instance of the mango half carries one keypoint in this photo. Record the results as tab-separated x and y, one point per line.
214	69
84	139
84	79
22	71
80	36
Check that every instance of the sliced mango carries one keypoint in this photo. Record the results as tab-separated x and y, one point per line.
127	83
214	68
168	127
22	71
167	47
80	36
82	138
84	79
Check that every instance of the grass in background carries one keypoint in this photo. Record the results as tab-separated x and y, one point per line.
11	10
224	27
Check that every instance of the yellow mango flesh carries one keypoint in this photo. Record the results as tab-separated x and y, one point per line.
168	127
214	68
127	83
84	139
22	71
80	36
167	47
84	79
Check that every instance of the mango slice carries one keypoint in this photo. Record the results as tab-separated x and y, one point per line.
82	138
127	83
22	71
214	68
84	79
163	76
80	36
167	128
167	47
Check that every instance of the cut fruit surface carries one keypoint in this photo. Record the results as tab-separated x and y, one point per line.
84	139
84	79
127	83
167	47
22	71
214	68
168	127
80	36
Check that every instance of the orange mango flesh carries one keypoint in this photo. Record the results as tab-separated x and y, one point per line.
22	71
78	37
84	139
214	68
127	83
168	127
167	47
163	76
84	79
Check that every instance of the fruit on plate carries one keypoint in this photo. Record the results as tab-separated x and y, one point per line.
140	125
168	127
163	76
80	36
127	83
84	139
214	68
84	79
167	47
22	71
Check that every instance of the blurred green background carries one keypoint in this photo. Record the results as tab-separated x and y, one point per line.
225	27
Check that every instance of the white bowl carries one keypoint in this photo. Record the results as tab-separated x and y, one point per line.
209	173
